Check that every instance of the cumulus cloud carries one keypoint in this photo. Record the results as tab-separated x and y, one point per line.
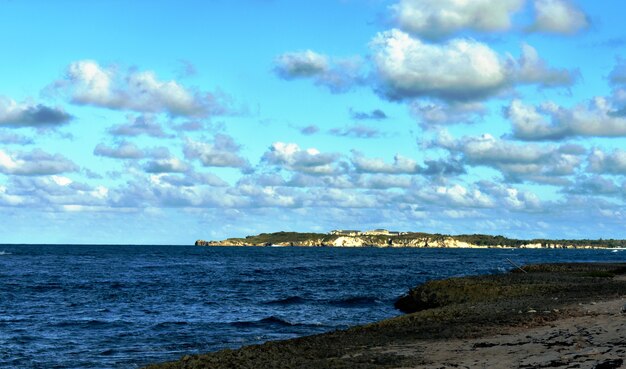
309	130
338	75
531	69
14	139
517	162
375	114
193	179
510	197
88	83
435	19
166	165
549	121
607	163
291	157
302	64
458	195
128	150
594	185
433	114
618	74
457	70
223	151
16	115
124	150
558	16
357	131
380	181
444	167
55	192
140	125
34	163
9	199
400	165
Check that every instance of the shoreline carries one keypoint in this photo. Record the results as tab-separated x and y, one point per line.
385	238
472	247
552	314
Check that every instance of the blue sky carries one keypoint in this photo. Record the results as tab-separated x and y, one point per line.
152	122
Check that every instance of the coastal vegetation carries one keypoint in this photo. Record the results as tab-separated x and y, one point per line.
384	238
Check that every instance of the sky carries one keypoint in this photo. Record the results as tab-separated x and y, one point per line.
163	122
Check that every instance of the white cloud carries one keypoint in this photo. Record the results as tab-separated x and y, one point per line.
301	64
432	114
338	75
15	139
531	69
222	152
124	150
597	117
400	165
356	131
139	125
512	198
291	157
457	70
607	163
461	196
26	114
434	19
166	165
34	163
517	162
595	185
618	73
558	16
88	83
375	114
8	199
383	181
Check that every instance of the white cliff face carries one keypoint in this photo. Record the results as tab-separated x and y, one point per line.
531	246
349	242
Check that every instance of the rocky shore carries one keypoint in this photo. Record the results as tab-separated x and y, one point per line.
553	315
406	239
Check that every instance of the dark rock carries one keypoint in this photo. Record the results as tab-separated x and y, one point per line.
610	364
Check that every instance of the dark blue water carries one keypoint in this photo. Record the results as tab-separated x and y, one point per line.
126	306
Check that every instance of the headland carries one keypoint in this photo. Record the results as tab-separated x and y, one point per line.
385	238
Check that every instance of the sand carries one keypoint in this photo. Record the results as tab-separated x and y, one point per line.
596	339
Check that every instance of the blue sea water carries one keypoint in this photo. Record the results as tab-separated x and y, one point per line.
127	306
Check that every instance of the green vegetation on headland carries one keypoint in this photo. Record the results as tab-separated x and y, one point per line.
467	307
383	238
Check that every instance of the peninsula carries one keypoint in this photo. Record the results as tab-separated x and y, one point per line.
385	238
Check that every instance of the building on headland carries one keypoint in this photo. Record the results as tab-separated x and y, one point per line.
383	232
344	232
375	232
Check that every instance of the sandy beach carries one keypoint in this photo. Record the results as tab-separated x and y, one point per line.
594	339
554	316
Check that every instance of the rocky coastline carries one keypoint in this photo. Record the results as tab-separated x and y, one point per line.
407	239
551	315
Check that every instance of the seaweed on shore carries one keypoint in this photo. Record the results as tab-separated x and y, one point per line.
452	308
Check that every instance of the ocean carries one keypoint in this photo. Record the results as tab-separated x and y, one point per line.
79	306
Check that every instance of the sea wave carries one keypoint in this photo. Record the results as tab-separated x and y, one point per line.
291	300
355	301
271	321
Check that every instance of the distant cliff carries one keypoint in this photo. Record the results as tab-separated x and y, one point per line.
409	239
